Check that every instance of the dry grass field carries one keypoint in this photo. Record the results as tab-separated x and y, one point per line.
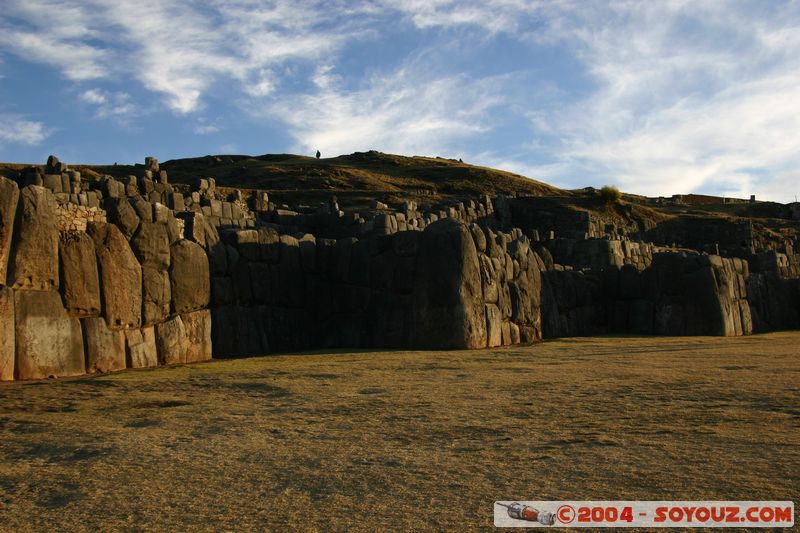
398	441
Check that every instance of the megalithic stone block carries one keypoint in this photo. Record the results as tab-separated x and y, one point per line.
156	296
449	310
123	215
151	245
49	341
189	276
9	197
80	285
105	348
35	257
494	323
120	276
7	336
140	348
171	341
198	333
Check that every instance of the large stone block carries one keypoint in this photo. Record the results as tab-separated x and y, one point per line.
190	277
120	276
35	257
49	342
121	214
105	348
156	295
80	284
9	197
151	245
7	336
198	332
494	324
449	310
172	341
140	348
269	245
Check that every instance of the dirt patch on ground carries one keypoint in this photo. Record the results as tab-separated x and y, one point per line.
402	440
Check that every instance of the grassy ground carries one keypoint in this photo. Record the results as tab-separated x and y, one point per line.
402	441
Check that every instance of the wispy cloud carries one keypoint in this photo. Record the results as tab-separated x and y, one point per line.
664	96
17	129
685	96
109	104
204	127
176	48
405	111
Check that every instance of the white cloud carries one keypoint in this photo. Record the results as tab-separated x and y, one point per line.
408	111
204	127
668	95
109	104
21	131
176	48
94	96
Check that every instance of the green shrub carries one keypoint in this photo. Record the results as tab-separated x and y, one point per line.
610	195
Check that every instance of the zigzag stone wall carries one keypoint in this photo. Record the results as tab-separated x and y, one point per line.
108	275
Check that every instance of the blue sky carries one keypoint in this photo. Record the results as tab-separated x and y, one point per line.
654	97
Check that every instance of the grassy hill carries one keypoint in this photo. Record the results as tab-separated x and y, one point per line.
354	178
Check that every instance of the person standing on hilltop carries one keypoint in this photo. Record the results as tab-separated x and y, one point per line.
318	154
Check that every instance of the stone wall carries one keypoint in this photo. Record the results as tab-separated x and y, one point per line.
111	274
95	296
451	286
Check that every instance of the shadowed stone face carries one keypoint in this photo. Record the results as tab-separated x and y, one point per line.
9	196
7	336
448	309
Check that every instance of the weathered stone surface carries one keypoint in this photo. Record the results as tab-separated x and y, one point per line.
80	283
121	214
449	310
494	323
156	295
238	331
105	348
189	276
269	245
151	246
7	336
35	257
198	333
120	276
172	341
174	230
48	341
143	208
9	197
140	348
